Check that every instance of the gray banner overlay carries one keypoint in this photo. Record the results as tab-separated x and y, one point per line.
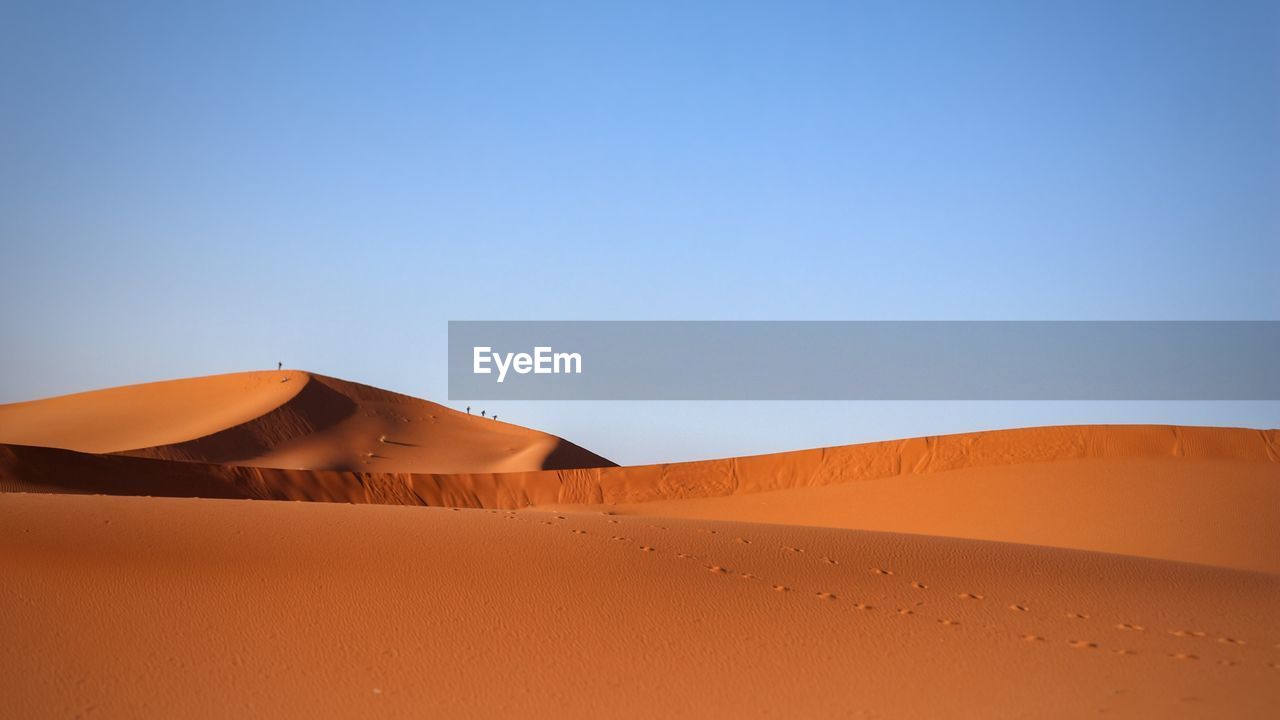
889	360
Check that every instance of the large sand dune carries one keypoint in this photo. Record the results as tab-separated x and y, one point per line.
772	586
286	419
138	416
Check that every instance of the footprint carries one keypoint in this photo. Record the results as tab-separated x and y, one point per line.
969	596
1186	633
1018	608
947	621
578	532
1230	641
620	538
827	596
1124	652
685	556
830	561
1077	616
881	571
919	586
1083	644
749	576
1033	638
906	611
1184	656
863	606
1127	626
646	548
740	541
788	548
613	522
782	588
1227	663
717	569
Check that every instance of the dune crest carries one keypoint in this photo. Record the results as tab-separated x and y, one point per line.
287	420
156	413
1070	486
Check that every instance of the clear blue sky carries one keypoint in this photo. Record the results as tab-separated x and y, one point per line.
198	188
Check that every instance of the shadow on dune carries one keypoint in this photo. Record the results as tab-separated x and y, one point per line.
316	407
567	456
27	468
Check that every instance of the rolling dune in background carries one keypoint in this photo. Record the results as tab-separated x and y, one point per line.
1137	572
287	419
1206	495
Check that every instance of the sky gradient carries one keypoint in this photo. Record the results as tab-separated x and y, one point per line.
194	190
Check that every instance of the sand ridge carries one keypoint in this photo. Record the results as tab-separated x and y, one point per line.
1210	511
1208	495
288	419
156	413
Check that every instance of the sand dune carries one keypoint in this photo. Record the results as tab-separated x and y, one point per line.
287	419
1216	512
855	581
207	608
137	416
1207	495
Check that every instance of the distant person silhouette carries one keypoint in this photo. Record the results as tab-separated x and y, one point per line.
495	417
482	413
468	409
279	366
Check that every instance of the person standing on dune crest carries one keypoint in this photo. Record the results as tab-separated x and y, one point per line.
279	366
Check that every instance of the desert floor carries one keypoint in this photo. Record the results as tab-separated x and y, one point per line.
233	549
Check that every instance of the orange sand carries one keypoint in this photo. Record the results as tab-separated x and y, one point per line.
1207	495
769	586
287	419
216	608
1216	512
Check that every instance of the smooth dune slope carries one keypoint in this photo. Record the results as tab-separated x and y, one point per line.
124	607
286	419
1216	512
1207	495
157	413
